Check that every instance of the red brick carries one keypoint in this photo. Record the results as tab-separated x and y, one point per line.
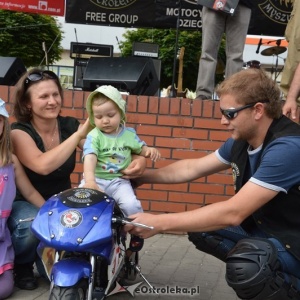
164	106
218	135
4	94
221	178
142	104
197	108
173	143
131	104
186	107
141	118
153	105
209	199
208	123
179	187
183	154
206	145
186	198
208	108
190	133
167	207
174	121
152	195
175	106
154	130
207	188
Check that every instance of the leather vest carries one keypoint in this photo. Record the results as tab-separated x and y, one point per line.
279	218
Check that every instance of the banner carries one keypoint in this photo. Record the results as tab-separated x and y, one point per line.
47	7
269	17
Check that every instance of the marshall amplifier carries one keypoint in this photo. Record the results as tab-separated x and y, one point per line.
145	49
87	50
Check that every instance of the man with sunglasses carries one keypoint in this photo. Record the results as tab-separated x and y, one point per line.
256	231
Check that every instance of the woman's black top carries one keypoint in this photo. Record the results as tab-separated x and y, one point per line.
58	180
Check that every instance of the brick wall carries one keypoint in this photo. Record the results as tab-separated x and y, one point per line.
179	128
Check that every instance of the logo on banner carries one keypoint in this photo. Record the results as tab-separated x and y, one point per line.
113	4
43	5
277	12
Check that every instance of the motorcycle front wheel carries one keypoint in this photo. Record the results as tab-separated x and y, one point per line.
76	292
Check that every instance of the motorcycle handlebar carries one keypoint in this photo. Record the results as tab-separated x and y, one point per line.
124	221
115	220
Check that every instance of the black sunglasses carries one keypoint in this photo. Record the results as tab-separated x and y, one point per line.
37	76
232	113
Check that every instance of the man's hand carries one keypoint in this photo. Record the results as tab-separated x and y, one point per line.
290	109
146	219
136	168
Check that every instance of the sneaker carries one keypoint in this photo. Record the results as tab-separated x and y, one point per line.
24	277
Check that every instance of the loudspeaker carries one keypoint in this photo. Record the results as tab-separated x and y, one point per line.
11	69
157	67
78	71
135	75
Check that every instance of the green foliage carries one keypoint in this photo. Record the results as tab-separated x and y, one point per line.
166	39
23	35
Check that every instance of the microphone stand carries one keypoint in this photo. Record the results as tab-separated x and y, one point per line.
278	42
274	71
172	91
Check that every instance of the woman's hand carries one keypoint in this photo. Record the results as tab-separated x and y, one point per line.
83	130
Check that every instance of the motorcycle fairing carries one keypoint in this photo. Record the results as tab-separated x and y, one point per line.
68	272
84	228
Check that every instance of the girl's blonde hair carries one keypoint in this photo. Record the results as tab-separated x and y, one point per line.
5	144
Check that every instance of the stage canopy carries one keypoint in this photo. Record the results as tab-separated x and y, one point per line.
269	17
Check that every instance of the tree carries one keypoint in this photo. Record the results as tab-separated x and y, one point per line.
166	38
24	34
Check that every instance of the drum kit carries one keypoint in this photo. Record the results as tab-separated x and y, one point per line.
271	51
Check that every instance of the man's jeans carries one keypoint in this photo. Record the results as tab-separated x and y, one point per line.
231	235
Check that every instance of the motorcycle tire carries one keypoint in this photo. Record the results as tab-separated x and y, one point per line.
76	292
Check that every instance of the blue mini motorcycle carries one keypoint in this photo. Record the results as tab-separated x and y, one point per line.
83	245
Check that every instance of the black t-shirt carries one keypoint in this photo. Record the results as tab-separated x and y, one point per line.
59	179
248	3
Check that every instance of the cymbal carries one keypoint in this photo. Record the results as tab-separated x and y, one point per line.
273	51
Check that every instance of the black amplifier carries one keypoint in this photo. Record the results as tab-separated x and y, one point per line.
87	50
145	49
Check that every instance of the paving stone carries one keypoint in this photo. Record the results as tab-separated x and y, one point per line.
168	262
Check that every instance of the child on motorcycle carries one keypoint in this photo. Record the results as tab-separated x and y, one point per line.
108	149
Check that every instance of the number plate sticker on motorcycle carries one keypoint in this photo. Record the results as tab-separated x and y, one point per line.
71	218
